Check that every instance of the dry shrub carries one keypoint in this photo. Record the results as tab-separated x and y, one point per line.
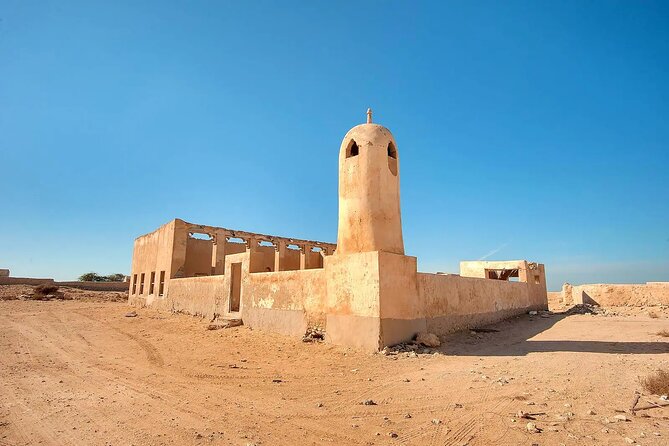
664	333
45	289
657	383
652	315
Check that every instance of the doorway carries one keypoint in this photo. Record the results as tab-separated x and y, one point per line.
235	286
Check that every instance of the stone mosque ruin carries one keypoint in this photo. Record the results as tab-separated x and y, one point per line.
364	291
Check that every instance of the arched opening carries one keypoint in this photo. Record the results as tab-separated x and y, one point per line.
352	149
392	158
392	151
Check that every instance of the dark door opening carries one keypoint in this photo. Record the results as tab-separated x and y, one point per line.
235	286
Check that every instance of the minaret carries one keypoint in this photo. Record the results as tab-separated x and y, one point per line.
369	191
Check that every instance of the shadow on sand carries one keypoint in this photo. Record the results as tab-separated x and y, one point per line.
514	338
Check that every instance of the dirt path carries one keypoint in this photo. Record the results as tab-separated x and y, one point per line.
78	373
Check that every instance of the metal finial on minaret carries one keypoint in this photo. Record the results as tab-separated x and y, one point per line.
369	116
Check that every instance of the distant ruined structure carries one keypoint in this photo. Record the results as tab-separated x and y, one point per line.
364	291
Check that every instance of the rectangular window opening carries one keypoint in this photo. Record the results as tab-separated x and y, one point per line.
152	284
200	236
134	284
141	284
161	284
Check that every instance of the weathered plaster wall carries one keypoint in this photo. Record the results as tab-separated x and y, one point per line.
262	259
453	303
648	294
198	257
24	281
198	296
152	253
94	286
286	301
353	287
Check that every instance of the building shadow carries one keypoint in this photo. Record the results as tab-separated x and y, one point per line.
513	337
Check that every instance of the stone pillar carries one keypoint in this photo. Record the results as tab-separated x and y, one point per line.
524	274
218	254
279	255
304	256
254	255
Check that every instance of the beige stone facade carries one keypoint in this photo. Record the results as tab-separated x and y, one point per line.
615	294
364	291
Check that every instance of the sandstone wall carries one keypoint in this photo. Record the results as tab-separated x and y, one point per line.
97	286
648	294
453	303
93	286
285	302
23	281
200	296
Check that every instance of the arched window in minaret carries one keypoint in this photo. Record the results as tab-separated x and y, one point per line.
352	149
392	158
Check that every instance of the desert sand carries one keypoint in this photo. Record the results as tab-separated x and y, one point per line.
79	371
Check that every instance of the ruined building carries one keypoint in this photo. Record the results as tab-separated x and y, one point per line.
364	290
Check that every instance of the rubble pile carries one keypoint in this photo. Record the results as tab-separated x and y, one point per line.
314	334
423	344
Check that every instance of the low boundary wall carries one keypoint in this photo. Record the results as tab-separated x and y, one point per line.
92	286
452	303
611	295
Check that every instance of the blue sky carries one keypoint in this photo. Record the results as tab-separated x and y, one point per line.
535	130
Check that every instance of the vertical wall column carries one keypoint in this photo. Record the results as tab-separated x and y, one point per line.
218	253
304	256
523	273
254	256
279	255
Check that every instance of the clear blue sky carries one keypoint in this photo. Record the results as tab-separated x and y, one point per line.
535	129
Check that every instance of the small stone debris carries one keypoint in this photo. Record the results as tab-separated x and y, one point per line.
591	412
314	334
629	440
532	428
428	339
393	434
226	323
436	421
131	314
533	313
407	415
408	349
474	331
368	403
277	380
586	309
621	417
319	405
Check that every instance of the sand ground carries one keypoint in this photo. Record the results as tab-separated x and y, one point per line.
79	372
